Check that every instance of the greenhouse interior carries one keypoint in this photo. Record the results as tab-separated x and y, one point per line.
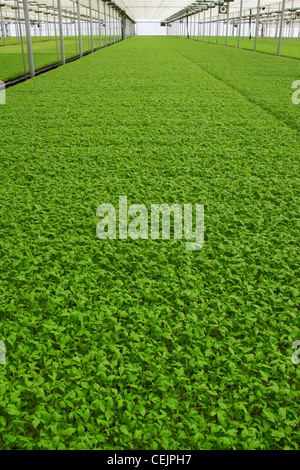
63	30
149	248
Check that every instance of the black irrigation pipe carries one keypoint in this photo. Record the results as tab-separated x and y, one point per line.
23	78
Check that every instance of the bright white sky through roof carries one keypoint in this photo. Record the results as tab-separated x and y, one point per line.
162	9
155	10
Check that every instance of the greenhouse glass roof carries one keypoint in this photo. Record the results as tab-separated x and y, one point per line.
151	10
162	9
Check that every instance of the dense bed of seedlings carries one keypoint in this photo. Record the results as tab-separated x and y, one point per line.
44	54
124	344
264	80
289	48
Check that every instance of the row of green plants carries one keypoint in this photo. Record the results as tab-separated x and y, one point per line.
123	344
44	53
264	80
289	47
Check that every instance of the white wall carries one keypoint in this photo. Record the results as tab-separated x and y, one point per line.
150	28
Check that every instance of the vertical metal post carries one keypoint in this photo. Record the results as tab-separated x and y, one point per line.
79	28
120	25
105	23
21	37
240	23
116	20
99	23
250	18
87	27
203	25
75	31
257	24
28	38
109	16
194	34
47	21
277	21
267	24
227	25
115	25
116	28
112	11
187	26
61	33
123	27
218	21
281	27
16	23
40	25
67	27
55	32
35	28
292	30
91	23
3	27
209	24
291	21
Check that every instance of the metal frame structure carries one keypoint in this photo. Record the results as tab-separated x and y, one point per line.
103	22
61	19
265	18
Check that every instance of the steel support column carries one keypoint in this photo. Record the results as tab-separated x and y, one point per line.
28	38
281	27
61	33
